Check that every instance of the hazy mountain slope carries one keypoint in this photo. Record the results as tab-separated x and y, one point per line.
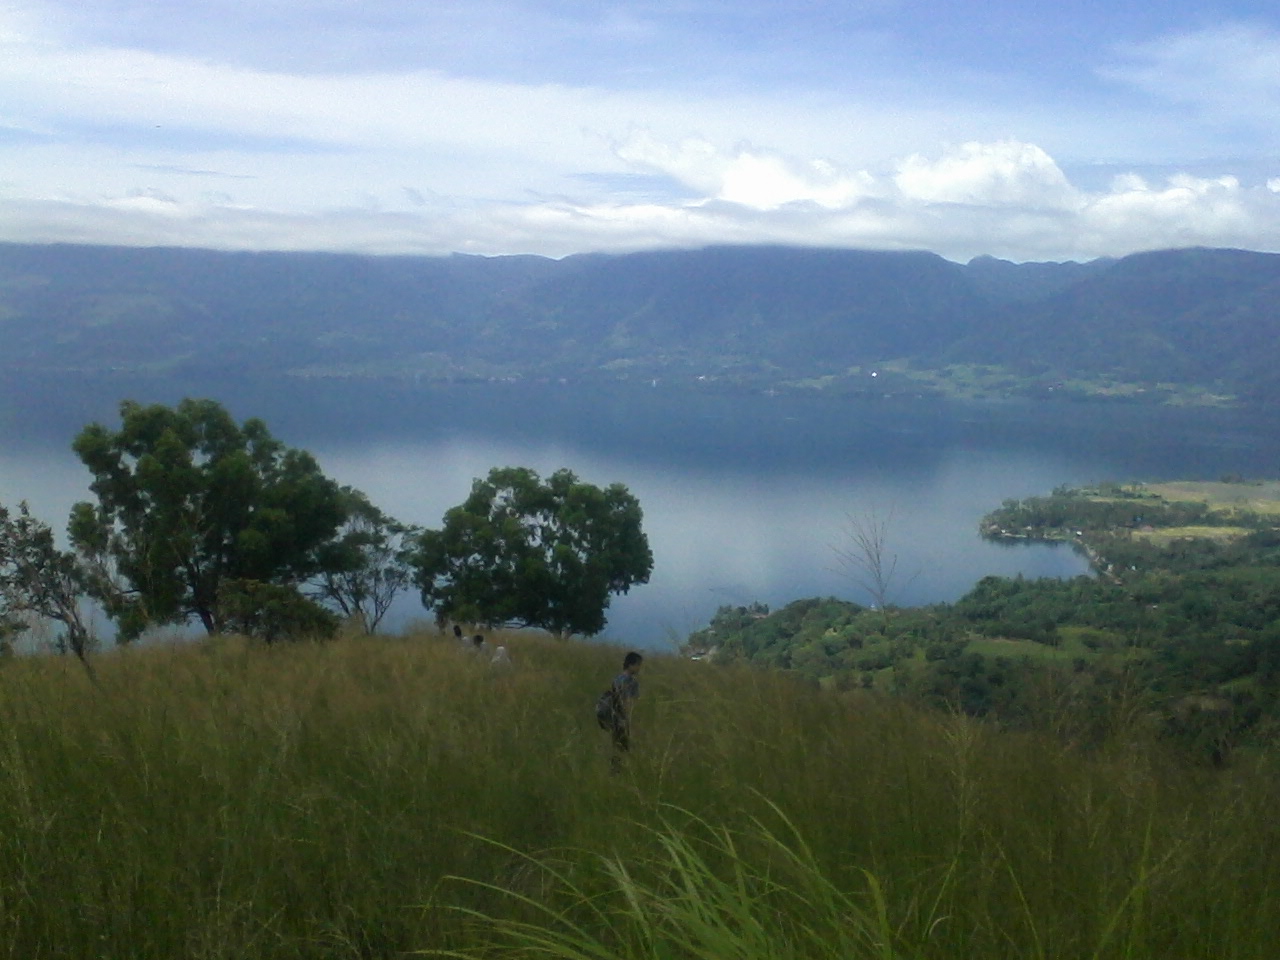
1194	315
1003	281
71	306
790	307
759	314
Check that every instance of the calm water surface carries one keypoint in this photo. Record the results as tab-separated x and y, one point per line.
744	496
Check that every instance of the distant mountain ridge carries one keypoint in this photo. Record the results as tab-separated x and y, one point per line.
768	317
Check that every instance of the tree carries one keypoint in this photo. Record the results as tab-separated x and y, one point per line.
866	559
36	578
523	552
367	564
188	500
272	611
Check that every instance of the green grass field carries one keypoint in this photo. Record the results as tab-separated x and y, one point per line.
1164	536
1261	497
372	798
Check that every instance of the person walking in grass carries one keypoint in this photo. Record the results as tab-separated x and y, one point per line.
614	709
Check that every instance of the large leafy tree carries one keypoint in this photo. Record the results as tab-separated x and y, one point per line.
189	501
526	552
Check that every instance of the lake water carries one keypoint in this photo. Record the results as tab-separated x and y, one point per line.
744	496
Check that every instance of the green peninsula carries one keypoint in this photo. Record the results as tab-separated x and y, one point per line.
1178	628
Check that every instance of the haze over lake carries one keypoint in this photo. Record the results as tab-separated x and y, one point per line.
744	495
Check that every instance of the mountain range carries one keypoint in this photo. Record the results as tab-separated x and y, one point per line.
1173	325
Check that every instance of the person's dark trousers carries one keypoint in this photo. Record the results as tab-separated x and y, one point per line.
621	745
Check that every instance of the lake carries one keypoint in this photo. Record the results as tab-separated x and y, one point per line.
745	496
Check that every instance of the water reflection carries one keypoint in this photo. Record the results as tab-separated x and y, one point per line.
729	536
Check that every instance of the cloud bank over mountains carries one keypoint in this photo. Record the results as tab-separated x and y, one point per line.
129	130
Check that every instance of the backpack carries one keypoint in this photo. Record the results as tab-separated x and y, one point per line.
608	708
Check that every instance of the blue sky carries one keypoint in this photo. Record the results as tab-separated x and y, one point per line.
1027	131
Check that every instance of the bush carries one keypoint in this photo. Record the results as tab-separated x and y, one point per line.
271	612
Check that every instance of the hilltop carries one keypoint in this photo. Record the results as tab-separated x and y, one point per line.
373	797
1184	326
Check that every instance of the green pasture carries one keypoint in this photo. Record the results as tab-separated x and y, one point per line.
1261	497
1163	536
1074	643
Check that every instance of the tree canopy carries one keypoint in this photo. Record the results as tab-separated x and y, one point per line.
366	565
189	501
522	551
37	579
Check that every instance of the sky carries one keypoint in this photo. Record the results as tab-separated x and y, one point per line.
1023	130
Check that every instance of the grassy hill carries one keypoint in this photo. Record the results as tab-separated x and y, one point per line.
372	797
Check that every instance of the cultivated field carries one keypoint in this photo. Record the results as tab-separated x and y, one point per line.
1262	497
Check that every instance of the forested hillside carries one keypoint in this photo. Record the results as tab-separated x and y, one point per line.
1182	617
1181	326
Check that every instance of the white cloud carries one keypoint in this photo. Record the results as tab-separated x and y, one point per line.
119	145
1229	73
1005	198
758	179
1186	211
987	173
515	135
20	22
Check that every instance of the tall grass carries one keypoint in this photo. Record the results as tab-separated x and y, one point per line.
369	798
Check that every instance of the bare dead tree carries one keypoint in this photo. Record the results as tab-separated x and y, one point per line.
865	558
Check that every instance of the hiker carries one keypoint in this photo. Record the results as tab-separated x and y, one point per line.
478	646
614	710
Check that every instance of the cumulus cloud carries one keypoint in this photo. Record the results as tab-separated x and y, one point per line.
758	179
1007	172
110	144
1185	211
1005	198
